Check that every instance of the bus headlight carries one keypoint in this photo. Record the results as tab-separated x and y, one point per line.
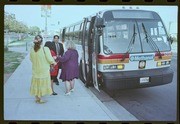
113	67
161	63
121	66
158	63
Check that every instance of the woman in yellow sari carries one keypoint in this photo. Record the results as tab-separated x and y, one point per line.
41	60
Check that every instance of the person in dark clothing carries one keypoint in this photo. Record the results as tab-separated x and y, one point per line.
54	71
59	51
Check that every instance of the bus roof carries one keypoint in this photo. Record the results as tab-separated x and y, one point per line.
128	13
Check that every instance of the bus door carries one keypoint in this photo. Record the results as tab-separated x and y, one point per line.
95	52
90	51
85	56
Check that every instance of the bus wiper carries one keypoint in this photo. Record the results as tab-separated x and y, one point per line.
151	42
131	43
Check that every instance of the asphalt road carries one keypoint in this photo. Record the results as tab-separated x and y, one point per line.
157	103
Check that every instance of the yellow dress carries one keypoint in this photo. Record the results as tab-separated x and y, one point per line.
41	82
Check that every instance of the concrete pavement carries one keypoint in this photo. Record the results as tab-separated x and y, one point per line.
82	104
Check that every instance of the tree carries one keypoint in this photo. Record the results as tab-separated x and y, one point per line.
34	30
12	25
9	21
174	38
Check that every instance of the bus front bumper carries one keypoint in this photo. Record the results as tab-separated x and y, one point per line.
131	79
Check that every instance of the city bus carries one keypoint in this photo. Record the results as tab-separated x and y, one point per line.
122	49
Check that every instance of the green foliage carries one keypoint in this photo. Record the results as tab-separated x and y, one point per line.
34	30
13	25
9	21
21	42
174	38
12	60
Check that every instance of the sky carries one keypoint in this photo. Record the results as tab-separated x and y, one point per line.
69	14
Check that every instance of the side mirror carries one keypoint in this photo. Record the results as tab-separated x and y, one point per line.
100	23
170	39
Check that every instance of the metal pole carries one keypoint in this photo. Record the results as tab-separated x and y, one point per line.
45	26
46	21
26	45
7	42
45	14
169	27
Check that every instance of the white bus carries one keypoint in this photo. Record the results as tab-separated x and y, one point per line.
122	49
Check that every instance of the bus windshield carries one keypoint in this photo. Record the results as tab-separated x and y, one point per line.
117	35
156	32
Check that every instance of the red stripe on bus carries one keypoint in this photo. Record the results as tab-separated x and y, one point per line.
163	53
114	56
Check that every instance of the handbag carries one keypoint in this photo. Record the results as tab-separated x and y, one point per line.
51	66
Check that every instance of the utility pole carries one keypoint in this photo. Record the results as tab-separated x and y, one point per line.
169	27
46	22
59	28
46	12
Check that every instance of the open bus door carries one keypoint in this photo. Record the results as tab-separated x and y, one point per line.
99	25
94	70
90	47
84	49
95	53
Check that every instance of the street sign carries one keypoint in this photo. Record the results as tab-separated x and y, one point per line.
45	10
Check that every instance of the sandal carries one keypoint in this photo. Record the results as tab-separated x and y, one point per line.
40	101
54	93
67	94
72	90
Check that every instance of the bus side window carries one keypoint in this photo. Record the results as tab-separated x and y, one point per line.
76	33
80	33
87	33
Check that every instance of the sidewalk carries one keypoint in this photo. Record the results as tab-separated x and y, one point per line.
82	104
